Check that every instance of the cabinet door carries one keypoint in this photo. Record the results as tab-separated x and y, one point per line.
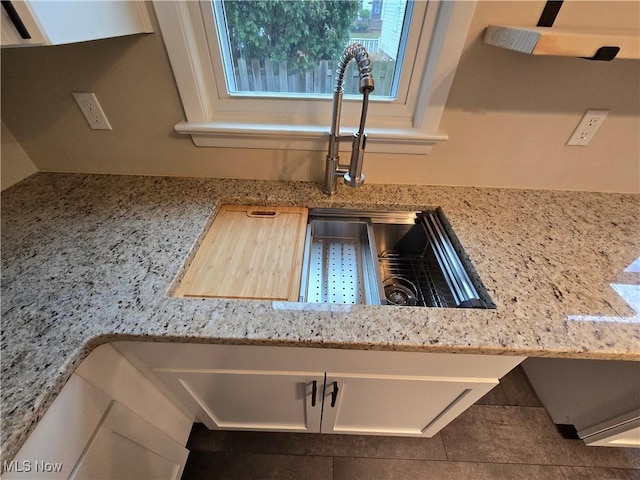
126	446
76	412
250	400
393	405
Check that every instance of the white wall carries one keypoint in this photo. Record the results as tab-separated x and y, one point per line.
508	114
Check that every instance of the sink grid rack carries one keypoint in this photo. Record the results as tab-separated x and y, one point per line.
425	275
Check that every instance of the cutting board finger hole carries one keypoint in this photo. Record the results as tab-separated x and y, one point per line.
262	214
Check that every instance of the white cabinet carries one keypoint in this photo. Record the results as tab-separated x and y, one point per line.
309	402
36	22
127	446
390	405
252	400
76	411
320	390
107	422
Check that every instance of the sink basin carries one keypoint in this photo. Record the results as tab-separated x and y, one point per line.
383	258
340	262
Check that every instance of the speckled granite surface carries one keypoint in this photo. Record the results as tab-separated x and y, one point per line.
90	259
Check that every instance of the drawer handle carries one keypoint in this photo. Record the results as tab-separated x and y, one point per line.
15	19
262	213
334	394
314	392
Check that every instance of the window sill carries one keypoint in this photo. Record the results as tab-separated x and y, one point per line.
306	137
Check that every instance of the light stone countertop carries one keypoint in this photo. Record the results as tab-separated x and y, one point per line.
90	259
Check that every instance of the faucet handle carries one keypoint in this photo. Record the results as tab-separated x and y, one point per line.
354	177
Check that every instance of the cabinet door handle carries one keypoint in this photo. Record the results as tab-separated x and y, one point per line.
15	19
314	392
334	394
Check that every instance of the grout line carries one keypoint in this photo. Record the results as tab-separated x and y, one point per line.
444	445
333	468
503	462
423	460
225	441
599	467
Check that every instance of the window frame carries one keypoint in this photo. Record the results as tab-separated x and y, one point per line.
408	124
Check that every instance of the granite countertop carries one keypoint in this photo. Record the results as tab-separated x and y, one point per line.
89	259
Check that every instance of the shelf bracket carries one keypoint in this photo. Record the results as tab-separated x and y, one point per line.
549	13
604	54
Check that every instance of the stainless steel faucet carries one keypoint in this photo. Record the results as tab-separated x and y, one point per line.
353	172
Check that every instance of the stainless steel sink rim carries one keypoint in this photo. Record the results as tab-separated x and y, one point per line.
343	264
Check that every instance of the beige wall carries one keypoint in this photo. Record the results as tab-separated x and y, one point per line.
508	114
16	164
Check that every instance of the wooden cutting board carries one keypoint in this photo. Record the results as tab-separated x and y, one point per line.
249	252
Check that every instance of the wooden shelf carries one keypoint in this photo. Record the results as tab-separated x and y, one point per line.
567	42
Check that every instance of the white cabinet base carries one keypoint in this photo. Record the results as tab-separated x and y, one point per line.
77	411
108	422
126	447
236	387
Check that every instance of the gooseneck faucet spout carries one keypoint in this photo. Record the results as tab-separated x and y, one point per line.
353	172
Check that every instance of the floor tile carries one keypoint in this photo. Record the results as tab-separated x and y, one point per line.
505	435
374	469
337	445
592	473
486	433
204	440
604	456
247	466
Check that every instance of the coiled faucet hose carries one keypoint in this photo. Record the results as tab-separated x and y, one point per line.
357	52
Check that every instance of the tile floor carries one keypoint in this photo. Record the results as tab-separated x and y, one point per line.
506	435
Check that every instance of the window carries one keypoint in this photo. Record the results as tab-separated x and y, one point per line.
405	121
291	48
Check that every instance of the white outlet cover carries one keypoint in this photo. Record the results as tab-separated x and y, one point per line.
92	110
587	127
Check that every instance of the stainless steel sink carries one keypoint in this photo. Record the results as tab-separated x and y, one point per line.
383	258
340	266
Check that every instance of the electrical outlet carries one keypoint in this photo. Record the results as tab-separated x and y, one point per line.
587	127
92	111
